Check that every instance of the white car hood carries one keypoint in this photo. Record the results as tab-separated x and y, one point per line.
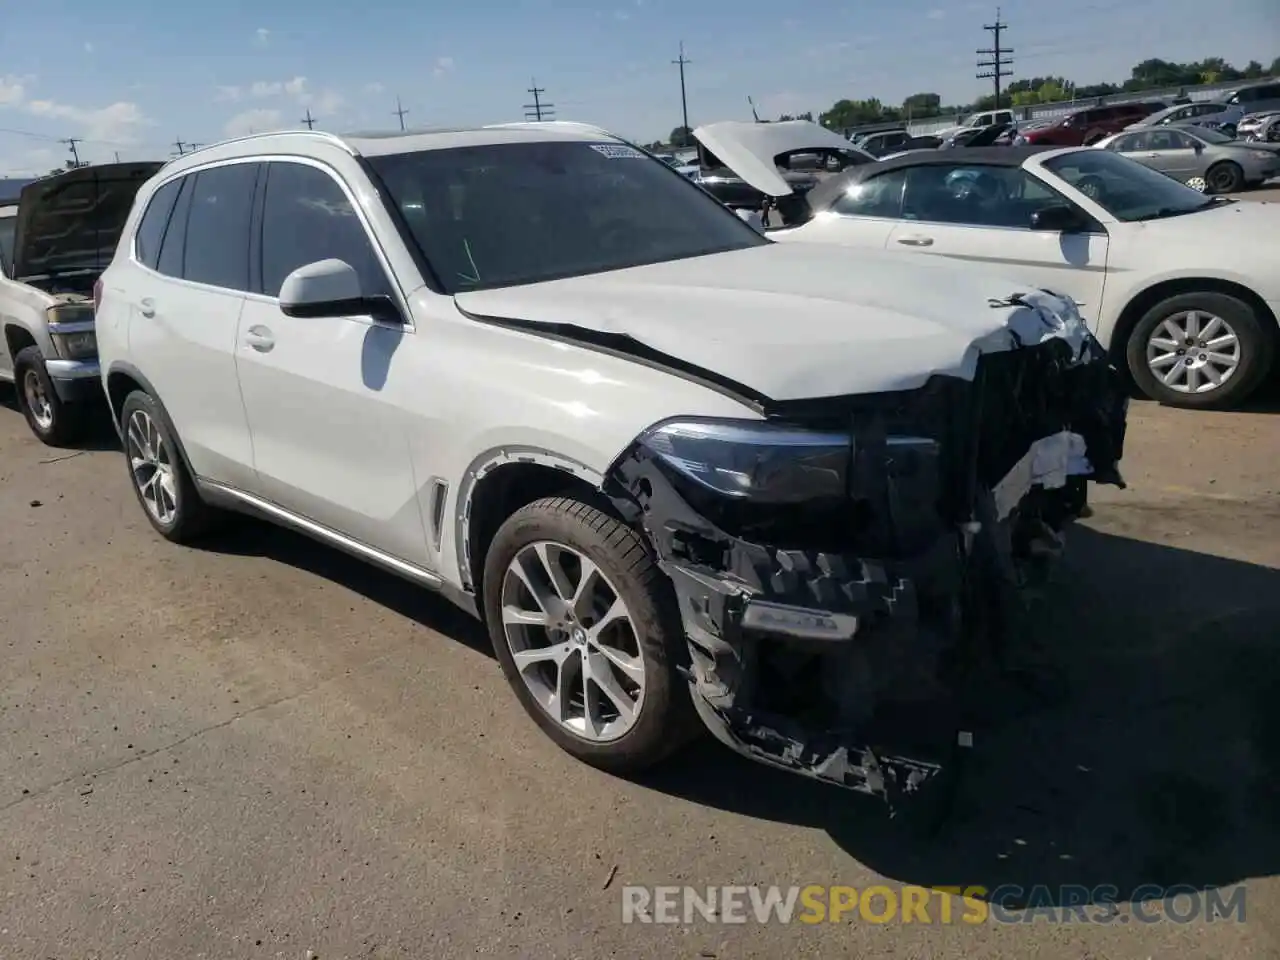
748	149
1251	224
795	321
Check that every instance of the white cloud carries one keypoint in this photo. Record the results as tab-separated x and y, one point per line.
262	36
116	123
443	65
937	14
263	89
228	94
88	47
375	88
12	91
258	120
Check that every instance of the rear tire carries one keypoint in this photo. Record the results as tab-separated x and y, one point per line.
556	545
1224	177
1253	350
158	474
54	421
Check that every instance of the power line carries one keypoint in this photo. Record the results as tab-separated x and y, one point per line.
309	120
538	110
400	111
995	67
682	62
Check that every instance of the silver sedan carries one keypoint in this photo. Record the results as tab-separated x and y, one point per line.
1202	159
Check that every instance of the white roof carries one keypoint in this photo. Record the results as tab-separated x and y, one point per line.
376	144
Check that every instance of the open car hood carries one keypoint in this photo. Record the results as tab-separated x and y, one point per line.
71	223
790	321
749	149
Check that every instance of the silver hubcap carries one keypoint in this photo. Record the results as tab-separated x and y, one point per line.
1197	183
151	467
37	400
573	641
1193	352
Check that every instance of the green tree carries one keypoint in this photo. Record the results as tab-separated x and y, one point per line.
920	105
681	137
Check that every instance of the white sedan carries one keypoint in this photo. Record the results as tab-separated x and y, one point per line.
1183	289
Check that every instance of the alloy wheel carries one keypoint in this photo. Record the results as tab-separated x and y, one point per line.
152	467
573	641
37	400
1193	352
1197	183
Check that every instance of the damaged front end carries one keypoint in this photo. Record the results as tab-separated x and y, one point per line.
844	565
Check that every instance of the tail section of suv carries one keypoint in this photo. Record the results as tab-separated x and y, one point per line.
683	473
64	232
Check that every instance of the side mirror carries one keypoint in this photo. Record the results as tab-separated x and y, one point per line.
331	288
752	217
1057	218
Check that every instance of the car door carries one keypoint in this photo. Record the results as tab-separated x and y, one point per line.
863	216
191	255
328	445
1171	152
980	214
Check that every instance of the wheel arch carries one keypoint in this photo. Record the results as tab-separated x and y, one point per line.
18	338
501	481
124	378
1148	297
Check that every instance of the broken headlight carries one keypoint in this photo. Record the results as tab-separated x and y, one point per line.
751	460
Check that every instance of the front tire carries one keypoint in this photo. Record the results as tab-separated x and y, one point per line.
158	474
54	421
588	635
1224	177
1200	350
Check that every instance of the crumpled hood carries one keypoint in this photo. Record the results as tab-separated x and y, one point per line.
72	222
792	322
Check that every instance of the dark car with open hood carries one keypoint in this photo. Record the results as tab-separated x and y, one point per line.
65	231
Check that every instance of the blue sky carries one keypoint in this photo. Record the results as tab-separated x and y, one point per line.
132	76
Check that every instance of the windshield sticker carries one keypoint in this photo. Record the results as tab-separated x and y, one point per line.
617	151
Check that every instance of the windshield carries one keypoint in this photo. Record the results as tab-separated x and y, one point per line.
1124	188
504	214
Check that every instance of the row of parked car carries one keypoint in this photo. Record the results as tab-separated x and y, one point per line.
1250	113
688	475
1154	263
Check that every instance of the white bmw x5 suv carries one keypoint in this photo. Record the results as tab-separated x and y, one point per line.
678	469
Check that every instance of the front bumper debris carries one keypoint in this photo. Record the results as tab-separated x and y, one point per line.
850	657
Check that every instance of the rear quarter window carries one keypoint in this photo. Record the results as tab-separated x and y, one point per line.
150	235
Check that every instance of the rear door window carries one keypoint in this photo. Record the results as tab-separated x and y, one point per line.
217	247
879	196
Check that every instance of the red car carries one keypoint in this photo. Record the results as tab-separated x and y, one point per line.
1086	127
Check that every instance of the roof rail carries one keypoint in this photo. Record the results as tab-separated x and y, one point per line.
318	134
564	124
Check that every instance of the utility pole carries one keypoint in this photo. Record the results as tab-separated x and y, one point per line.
117	156
75	154
400	111
309	120
538	110
181	147
994	67
684	100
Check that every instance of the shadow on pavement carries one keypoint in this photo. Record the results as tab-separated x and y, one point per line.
1160	763
100	436
1156	761
255	538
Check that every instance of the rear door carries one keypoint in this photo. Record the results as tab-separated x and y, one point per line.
185	308
981	215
